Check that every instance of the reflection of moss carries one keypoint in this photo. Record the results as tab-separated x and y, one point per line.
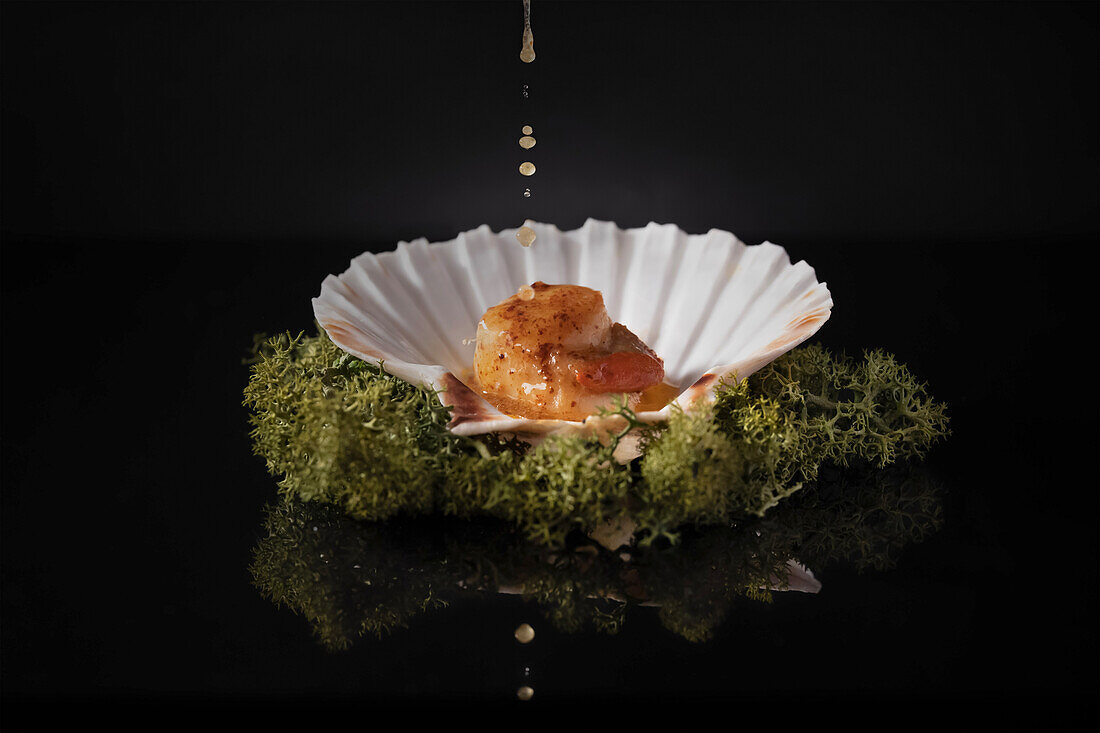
347	578
698	580
340	431
865	515
352	578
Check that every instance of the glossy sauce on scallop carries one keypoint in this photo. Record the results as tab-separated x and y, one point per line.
552	352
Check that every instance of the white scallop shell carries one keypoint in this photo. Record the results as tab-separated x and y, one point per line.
707	304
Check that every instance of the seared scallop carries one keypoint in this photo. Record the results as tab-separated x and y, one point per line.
552	352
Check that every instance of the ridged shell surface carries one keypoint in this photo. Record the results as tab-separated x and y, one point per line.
708	304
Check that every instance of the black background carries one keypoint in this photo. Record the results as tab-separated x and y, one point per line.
177	177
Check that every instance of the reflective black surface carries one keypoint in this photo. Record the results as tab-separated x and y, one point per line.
354	580
177	177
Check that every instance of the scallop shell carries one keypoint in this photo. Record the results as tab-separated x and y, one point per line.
707	304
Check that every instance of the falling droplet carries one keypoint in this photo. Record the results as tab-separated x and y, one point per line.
527	53
524	632
527	168
527	130
527	142
526	193
525	693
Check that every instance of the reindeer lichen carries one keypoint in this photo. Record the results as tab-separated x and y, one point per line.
338	430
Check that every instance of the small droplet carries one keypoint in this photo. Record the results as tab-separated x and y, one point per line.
527	168
526	193
527	142
527	130
525	235
525	292
524	632
525	693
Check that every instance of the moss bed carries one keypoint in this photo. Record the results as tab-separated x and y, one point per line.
337	430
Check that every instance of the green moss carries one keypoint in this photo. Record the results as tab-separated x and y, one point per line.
873	409
687	473
337	430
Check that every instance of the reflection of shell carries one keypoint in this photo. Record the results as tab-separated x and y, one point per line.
709	305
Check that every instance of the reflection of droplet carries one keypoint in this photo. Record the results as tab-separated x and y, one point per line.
527	168
526	237
527	130
527	142
526	193
525	693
